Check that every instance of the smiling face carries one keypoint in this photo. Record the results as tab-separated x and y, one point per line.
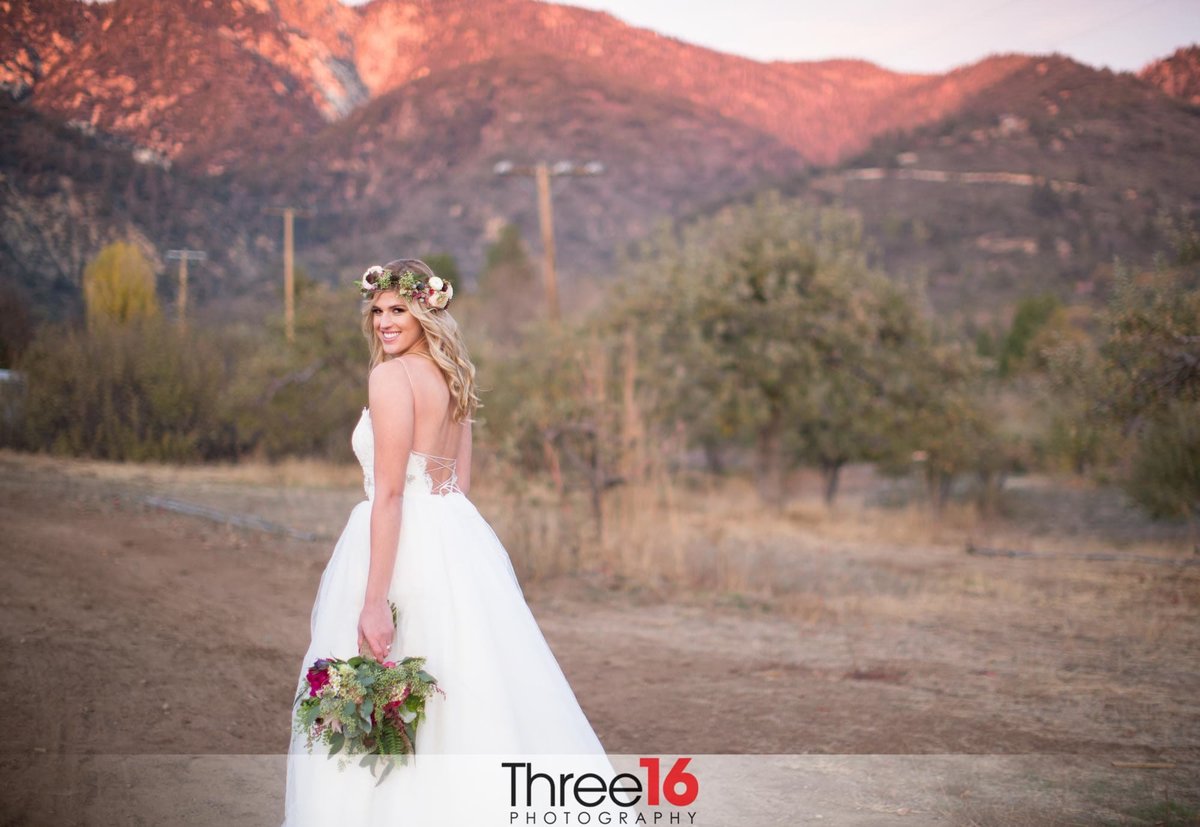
395	327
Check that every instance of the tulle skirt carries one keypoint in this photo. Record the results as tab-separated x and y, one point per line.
506	699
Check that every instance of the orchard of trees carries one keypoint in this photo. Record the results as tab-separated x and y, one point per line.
755	341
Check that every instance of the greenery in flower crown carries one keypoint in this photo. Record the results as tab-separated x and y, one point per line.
434	293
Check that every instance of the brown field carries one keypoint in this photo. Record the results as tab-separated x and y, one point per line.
907	681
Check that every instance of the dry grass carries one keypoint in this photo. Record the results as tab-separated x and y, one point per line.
879	551
719	541
287	473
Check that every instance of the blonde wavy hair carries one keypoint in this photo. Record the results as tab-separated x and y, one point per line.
446	344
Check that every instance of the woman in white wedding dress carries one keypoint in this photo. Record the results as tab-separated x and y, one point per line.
420	543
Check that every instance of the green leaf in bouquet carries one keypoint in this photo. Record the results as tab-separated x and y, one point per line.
389	741
336	741
348	711
364	712
426	677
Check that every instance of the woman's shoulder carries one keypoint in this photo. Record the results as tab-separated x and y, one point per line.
388	385
388	372
414	372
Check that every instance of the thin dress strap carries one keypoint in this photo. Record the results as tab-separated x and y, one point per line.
413	392
412	388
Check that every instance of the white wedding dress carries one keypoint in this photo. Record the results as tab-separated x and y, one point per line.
461	608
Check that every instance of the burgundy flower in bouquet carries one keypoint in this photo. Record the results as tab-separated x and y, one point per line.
364	706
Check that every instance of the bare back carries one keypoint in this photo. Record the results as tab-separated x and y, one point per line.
435	433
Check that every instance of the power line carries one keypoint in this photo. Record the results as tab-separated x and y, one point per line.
1097	27
938	34
541	172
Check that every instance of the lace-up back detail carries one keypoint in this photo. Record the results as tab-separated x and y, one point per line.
426	474
433	475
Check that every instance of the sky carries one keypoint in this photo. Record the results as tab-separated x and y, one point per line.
922	35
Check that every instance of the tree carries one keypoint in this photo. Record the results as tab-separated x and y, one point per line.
509	296
446	267
118	286
858	405
766	327
941	398
303	398
17	330
551	408
1143	377
1032	314
1064	371
1152	350
1165	474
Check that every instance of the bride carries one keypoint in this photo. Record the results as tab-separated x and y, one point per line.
418	542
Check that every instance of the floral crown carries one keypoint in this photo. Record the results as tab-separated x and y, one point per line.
434	293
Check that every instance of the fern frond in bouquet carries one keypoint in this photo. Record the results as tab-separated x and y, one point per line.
361	706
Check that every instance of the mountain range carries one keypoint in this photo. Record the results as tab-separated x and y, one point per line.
177	122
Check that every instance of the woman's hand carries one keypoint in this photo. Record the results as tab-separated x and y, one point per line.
376	629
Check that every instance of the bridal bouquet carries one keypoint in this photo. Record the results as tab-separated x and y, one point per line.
363	706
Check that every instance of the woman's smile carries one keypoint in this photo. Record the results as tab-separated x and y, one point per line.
395	326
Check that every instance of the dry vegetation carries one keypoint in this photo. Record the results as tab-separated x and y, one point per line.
941	686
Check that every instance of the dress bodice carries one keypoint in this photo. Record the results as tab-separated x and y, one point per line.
426	474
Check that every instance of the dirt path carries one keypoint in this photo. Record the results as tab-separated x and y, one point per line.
151	656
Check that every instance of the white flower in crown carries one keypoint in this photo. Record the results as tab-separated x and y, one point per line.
440	297
371	279
435	283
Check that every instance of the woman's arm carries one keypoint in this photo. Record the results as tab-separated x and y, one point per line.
462	462
391	403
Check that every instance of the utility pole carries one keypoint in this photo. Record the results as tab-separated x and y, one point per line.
546	221
289	278
184	256
542	172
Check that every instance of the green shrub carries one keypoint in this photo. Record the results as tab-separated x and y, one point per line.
300	399
139	392
1165	474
